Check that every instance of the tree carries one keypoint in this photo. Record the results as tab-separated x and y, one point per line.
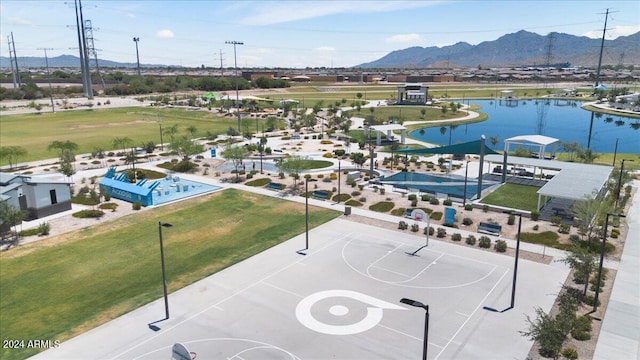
589	211
358	158
171	131
12	153
587	156
582	262
236	154
185	148
10	216
67	158
192	130
548	331
292	165
61	146
121	142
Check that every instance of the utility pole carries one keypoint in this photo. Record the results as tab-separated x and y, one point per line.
46	59
235	61
91	50
87	69
221	68
136	40
604	31
14	62
549	55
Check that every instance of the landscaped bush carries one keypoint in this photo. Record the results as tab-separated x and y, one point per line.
556	220
425	197
485	208
412	197
589	300
44	229
471	240
29	232
414	202
500	246
434	201
564	228
467	221
535	215
569	353
536	227
582	328
383	206
342	198
136	205
447	202
402	225
468	207
108	206
430	230
107	196
258	182
88	214
484	242
442	232
333	176
456	237
352	202
398	211
511	220
435	215
415	227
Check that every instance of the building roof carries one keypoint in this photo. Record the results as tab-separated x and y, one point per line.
389	127
574	181
535	139
471	147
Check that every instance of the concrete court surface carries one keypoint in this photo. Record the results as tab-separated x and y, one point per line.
340	301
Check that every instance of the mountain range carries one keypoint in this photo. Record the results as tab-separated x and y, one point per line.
522	48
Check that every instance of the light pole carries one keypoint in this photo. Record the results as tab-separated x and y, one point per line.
164	273
515	264
620	183
426	322
235	62
136	40
464	196
306	215
604	242
339	180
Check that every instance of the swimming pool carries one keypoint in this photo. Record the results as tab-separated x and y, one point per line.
174	188
449	185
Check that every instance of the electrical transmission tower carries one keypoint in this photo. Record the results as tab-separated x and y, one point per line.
91	50
549	56
14	62
221	68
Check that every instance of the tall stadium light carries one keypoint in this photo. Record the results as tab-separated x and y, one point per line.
235	63
136	40
426	322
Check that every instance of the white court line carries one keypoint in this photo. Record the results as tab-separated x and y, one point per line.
283	290
407	335
472	313
215	305
409	277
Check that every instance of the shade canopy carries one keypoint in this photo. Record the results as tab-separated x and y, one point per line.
471	147
210	95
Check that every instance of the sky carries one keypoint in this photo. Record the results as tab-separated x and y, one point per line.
292	34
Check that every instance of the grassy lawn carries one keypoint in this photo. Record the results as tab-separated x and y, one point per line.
97	128
66	285
515	196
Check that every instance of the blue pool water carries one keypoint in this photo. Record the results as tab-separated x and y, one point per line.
450	185
563	120
176	188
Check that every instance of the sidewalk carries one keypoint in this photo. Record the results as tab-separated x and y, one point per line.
620	332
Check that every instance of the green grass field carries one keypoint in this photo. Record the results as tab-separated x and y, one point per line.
66	285
514	196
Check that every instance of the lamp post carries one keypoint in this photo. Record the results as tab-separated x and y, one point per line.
339	180
620	183
464	196
426	322
515	264
164	273
235	62
604	242
136	40
306	215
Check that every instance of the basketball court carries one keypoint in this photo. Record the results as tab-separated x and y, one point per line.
340	301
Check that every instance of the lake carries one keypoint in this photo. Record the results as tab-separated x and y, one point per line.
561	119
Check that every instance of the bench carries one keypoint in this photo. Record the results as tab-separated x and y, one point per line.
322	195
275	186
489	228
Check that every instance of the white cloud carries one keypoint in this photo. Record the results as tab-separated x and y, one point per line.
164	34
325	49
614	32
405	38
20	21
275	12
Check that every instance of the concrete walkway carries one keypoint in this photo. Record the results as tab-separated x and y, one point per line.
620	332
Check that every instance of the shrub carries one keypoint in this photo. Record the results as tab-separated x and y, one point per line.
467	221
511	220
88	214
468	207
484	242
136	205
569	353
582	328
44	228
434	201
556	220
485	208
402	225
29	232
589	300
412	197
430	230
383	206
442	232
535	215
333	176
415	227
108	206
447	202
425	197
500	246
107	196
564	228
536	227
471	240
456	237
355	193
414	202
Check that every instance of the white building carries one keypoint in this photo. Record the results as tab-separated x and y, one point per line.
39	196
